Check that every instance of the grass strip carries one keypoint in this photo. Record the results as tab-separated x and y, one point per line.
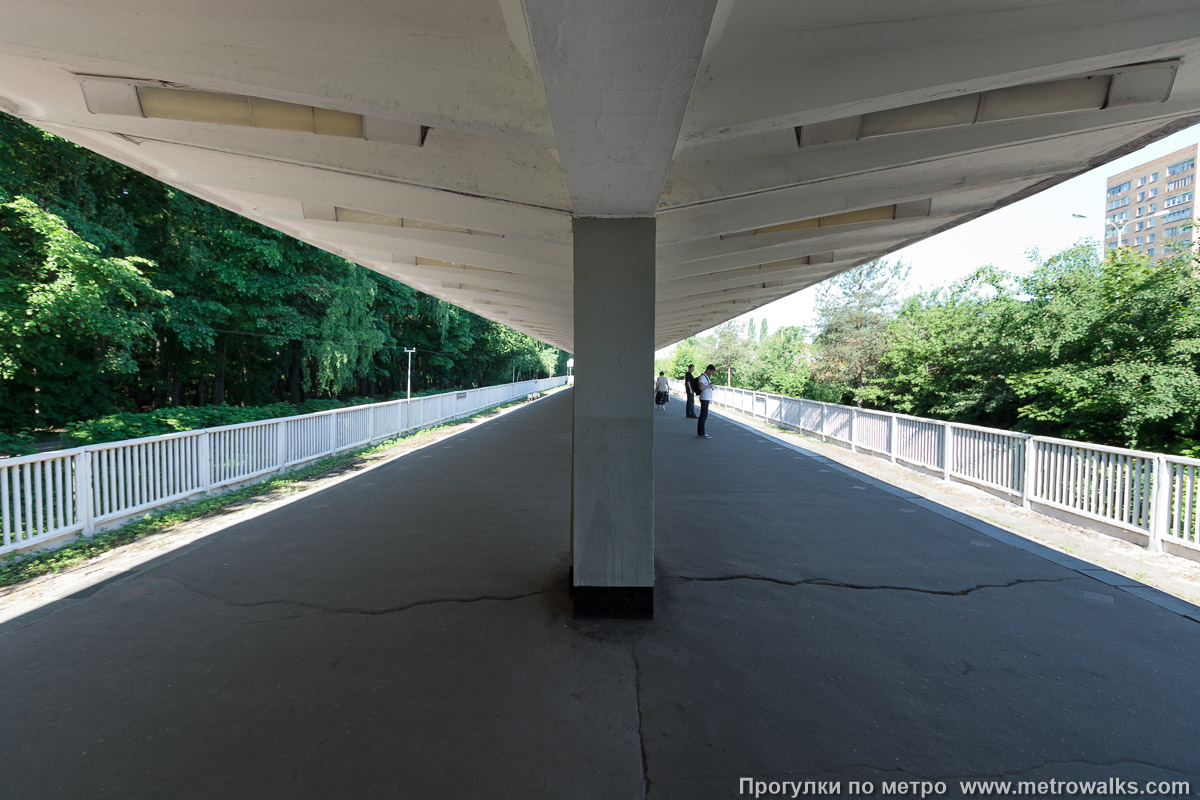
20	567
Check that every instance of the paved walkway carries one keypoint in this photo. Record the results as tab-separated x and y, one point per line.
408	634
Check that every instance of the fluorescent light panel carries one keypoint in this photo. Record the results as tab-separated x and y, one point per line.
1144	83
916	208
123	97
434	262
317	211
770	266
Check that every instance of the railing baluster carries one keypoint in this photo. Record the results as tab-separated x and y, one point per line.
1177	511
29	512
6	513
1160	506
59	510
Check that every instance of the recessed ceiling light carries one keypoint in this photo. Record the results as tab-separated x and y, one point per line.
153	100
1132	85
326	213
915	208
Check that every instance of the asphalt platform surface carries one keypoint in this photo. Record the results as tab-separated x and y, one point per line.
408	634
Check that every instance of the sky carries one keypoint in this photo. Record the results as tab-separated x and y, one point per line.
1002	238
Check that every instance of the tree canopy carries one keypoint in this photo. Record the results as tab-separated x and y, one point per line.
1106	351
120	293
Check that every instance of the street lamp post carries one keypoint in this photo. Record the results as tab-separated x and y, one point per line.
410	351
1116	230
1107	225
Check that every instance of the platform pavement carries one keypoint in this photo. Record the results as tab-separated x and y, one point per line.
408	634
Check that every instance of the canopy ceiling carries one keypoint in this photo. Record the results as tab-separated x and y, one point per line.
447	144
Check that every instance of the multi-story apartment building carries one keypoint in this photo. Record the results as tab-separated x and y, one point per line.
1152	207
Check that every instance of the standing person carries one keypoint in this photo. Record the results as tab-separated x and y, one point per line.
704	384
689	386
661	389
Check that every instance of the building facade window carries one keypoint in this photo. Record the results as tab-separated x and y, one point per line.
1182	166
1150	252
1182	213
1118	189
1171	202
1179	183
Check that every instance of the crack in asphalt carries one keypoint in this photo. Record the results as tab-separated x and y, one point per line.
368	612
868	587
637	688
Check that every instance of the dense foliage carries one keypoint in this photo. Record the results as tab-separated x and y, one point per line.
1106	351
748	357
120	294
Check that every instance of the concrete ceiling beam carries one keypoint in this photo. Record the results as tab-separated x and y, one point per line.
618	76
414	62
776	160
1023	164
222	171
514	171
792	276
875	54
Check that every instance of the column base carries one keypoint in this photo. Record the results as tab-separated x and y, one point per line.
614	602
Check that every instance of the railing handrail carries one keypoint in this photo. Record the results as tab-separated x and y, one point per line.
16	461
159	437
1105	448
1155	494
49	495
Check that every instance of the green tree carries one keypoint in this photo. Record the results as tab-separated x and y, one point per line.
854	310
784	359
731	351
70	318
689	351
1111	349
949	352
132	295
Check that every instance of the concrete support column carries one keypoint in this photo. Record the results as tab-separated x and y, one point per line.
612	477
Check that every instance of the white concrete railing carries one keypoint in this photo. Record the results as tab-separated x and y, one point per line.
1151	495
48	496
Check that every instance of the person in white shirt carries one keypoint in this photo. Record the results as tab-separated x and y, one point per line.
705	396
661	390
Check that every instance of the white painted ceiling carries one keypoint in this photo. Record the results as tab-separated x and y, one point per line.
724	117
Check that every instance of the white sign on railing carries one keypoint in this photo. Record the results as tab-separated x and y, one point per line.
51	495
1148	493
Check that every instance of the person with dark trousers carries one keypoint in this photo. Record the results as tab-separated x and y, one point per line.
662	391
689	386
705	387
